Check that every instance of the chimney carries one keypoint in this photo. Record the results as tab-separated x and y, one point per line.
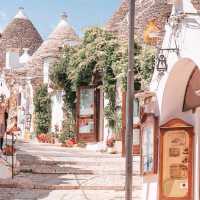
12	58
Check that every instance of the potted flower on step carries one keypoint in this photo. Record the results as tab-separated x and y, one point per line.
111	145
8	150
70	142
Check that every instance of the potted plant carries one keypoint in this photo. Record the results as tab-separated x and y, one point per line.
8	150
111	145
67	139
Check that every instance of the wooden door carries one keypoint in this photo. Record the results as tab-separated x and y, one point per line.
87	128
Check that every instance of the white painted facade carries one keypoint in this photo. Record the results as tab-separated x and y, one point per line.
182	32
57	115
57	111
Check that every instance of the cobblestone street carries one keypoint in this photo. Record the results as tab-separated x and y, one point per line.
52	172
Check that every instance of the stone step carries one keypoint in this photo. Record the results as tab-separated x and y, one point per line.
32	194
118	180
70	169
67	182
73	167
54	162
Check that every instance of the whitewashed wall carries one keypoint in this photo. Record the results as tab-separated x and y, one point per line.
57	111
170	88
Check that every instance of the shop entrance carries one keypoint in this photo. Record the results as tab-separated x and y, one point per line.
88	114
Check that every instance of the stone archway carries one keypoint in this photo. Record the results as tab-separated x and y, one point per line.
192	94
175	90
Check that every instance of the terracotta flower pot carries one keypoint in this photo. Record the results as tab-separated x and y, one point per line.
111	150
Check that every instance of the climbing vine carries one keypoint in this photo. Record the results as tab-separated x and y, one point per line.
100	52
42	104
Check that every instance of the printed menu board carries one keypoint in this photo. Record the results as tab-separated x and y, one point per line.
149	147
86	126
136	141
175	166
136	136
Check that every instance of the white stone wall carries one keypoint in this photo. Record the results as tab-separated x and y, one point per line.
182	32
57	110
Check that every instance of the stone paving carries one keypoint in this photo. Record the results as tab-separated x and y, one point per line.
5	171
52	172
16	194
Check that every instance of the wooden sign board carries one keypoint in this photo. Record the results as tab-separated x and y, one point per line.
136	127
176	164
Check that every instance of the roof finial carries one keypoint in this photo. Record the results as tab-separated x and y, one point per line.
20	14
64	16
21	8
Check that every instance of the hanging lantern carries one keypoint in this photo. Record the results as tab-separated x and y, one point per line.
162	63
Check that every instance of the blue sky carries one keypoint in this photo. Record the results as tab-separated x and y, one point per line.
45	13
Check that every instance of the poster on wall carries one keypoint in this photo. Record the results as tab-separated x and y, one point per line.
136	141
87	102
86	126
149	145
148	149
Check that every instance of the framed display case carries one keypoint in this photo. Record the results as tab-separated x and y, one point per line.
149	154
136	127
87	114
176	161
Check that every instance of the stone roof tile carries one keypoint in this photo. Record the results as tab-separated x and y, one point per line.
20	33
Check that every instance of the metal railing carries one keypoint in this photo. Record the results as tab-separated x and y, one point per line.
7	155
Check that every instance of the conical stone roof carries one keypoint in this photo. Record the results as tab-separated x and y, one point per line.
20	33
63	34
146	10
